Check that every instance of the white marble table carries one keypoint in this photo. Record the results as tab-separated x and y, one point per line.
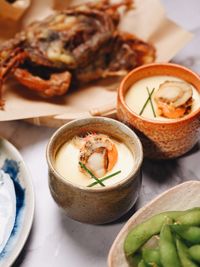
56	240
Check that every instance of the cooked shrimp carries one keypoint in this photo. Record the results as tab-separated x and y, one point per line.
174	99
98	153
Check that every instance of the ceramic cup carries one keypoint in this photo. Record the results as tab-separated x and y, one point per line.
161	139
95	205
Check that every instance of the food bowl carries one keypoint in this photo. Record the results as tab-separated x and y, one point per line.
95	205
161	139
178	198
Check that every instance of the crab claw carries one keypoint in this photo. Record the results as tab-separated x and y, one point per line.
9	60
57	84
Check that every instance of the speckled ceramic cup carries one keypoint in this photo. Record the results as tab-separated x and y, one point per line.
95	205
161	139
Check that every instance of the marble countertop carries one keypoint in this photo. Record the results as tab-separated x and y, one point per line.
56	240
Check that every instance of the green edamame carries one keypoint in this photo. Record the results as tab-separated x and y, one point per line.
142	264
194	253
143	232
151	257
168	253
184	254
187	232
192	217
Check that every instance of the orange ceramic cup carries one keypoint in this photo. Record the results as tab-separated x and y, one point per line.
161	139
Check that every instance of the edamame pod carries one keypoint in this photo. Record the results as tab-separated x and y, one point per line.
194	253
151	257
168	253
187	232
144	231
142	264
184	254
192	217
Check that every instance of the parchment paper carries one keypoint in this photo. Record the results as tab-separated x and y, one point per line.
147	20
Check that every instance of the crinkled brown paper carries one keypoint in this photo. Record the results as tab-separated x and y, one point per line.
147	20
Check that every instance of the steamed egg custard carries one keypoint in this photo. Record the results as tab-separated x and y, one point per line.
94	160
7	208
163	97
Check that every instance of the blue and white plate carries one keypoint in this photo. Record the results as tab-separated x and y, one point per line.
16	203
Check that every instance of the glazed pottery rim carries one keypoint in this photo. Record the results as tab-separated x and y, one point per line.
26	230
139	156
121	95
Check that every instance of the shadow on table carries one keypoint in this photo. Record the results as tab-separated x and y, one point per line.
194	150
94	241
160	171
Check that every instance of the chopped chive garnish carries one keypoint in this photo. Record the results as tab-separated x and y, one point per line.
151	101
146	102
103	179
91	174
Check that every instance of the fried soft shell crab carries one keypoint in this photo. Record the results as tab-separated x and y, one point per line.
77	45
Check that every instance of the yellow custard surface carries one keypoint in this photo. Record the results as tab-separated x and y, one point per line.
137	96
67	158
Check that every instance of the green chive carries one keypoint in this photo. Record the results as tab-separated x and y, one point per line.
91	174
145	104
105	178
151	101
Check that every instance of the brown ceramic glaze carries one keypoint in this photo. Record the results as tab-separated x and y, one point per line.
161	139
95	205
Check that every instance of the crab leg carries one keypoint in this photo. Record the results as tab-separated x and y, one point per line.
7	65
56	85
15	59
